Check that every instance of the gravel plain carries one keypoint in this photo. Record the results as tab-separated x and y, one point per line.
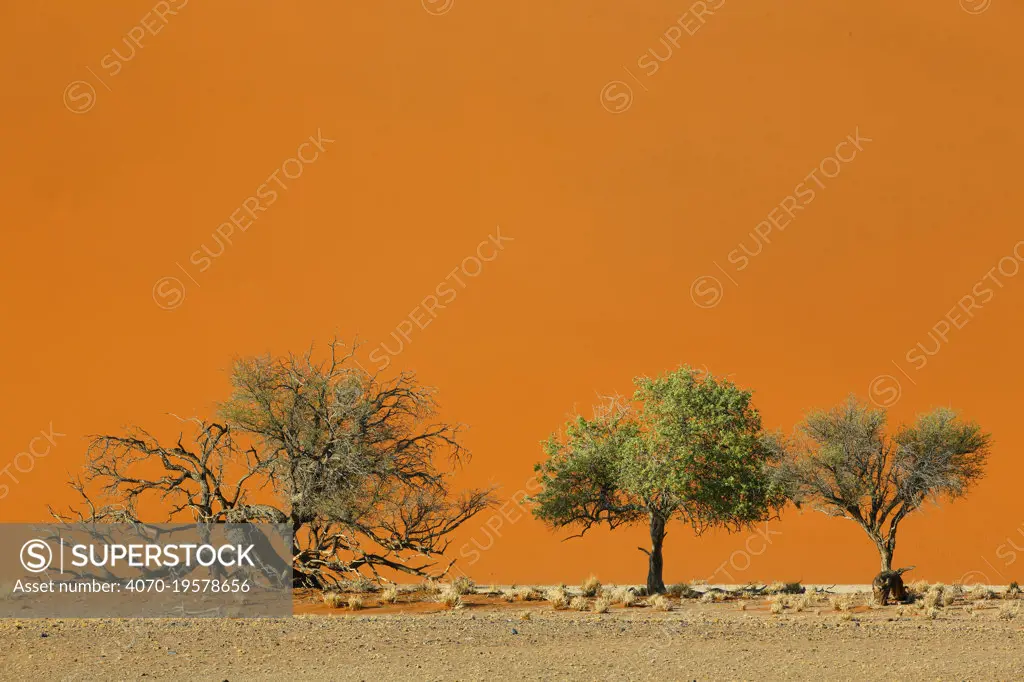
489	639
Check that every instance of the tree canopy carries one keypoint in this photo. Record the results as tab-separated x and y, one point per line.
843	462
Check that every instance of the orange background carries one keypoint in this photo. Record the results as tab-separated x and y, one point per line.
490	114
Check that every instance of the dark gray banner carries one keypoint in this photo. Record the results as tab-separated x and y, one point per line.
145	571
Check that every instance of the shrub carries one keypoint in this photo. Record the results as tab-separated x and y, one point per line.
355	602
463	585
333	599
558	597
681	591
528	594
413	589
515	593
579	604
979	592
590	587
623	596
389	595
785	588
1013	590
359	585
601	604
804	601
842	602
918	588
450	598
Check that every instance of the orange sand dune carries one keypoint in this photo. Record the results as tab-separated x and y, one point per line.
651	213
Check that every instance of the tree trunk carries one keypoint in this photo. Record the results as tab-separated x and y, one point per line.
655	584
885	551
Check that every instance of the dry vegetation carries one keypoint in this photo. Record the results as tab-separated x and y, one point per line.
925	601
590	587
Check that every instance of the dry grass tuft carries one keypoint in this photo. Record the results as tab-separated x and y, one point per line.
933	598
682	591
521	594
355	602
591	586
558	597
579	604
918	588
846	615
660	602
777	605
333	599
932	613
463	585
980	592
784	588
360	585
623	596
412	589
1008	612
842	602
802	602
389	595
450	598
602	604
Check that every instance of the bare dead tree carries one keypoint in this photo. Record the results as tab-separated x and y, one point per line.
345	458
209	479
843	463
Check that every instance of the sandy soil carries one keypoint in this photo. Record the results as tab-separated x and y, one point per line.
489	639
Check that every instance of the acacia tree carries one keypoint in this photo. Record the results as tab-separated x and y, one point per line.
356	461
843	463
689	448
344	457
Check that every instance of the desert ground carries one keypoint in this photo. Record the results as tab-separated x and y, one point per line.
499	634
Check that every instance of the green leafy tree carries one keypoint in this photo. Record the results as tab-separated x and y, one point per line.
689	448
843	463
